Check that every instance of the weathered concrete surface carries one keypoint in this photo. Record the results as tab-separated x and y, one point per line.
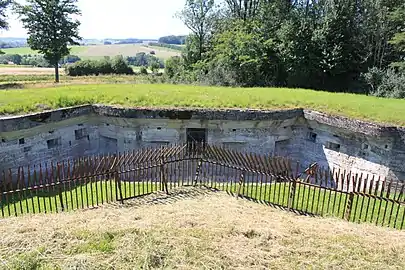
198	114
15	123
304	135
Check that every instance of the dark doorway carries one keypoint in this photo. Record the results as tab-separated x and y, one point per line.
196	139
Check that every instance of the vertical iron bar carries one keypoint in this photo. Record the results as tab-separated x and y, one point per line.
375	200
387	202
381	200
27	192
357	187
5	194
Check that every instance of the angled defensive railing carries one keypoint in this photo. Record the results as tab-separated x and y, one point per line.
88	182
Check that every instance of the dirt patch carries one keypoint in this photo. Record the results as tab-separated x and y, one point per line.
195	229
26	71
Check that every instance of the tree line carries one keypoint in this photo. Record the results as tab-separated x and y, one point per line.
343	46
177	40
117	65
35	60
165	45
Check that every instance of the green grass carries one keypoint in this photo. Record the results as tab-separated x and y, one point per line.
369	108
307	199
27	79
30	78
322	202
65	197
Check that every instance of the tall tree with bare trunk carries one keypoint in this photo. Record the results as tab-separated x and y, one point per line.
50	27
197	15
4	4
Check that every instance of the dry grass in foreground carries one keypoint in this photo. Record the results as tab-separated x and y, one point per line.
194	229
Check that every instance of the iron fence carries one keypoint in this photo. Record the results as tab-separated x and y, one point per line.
88	182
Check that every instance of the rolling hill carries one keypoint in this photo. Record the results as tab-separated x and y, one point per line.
99	51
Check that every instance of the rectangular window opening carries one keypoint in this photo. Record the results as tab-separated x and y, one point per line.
54	143
312	136
333	146
81	134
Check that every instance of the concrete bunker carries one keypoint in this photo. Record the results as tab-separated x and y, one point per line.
304	136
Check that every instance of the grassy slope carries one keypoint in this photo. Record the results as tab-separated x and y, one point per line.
162	95
195	230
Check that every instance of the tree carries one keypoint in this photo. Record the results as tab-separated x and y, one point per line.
4	4
154	66
50	27
120	66
243	9
172	40
318	44
398	40
198	16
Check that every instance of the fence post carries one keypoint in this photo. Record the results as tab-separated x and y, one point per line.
59	182
118	185
163	177
241	182
197	172
349	206
117	180
292	193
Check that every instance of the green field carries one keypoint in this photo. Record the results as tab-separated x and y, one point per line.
95	52
369	108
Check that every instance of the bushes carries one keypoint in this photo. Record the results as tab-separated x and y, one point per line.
386	83
35	60
143	70
96	67
15	58
143	59
120	66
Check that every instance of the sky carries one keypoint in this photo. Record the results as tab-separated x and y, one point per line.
120	19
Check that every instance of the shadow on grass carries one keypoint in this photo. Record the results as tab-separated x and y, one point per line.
193	192
8	86
175	195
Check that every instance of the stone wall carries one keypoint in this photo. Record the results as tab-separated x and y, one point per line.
306	136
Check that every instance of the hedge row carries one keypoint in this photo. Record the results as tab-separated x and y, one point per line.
95	67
